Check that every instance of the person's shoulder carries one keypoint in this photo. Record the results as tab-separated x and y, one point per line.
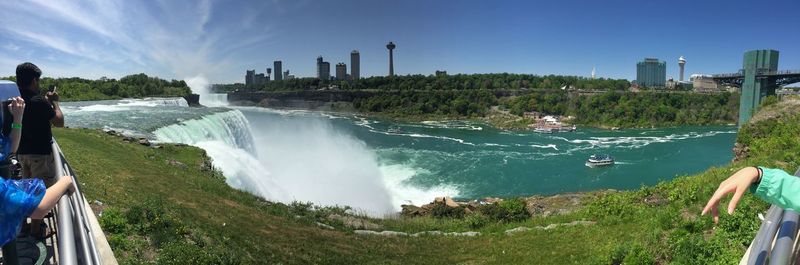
38	101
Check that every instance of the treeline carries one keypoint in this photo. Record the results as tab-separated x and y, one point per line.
443	82
413	103
131	86
630	109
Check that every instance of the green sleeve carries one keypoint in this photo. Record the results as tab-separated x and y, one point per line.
779	188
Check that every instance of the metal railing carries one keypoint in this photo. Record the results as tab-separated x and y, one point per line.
776	240
75	243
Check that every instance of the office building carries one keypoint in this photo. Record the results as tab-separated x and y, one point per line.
323	69
249	78
278	66
341	71
651	73
355	65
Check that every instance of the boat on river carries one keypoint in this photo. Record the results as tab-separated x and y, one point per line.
599	161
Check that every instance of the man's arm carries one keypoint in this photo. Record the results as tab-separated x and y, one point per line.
58	119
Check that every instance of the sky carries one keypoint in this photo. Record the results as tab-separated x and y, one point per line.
220	40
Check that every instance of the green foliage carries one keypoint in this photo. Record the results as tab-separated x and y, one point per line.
440	210
476	220
179	253
628	253
449	103
509	210
131	86
449	82
628	109
615	206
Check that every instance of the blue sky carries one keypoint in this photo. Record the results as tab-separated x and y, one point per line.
219	40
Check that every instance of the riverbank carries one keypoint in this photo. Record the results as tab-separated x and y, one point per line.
504	110
166	205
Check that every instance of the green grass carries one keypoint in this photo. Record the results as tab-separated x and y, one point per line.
160	212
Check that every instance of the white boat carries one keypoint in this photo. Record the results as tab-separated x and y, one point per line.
543	130
599	161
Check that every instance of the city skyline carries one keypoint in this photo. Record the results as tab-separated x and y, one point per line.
182	40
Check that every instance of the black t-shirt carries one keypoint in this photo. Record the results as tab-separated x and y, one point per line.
36	133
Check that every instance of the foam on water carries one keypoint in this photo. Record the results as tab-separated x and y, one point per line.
131	104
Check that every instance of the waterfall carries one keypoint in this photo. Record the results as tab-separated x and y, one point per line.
288	160
230	127
227	140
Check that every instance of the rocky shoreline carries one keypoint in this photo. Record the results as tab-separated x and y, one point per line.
537	205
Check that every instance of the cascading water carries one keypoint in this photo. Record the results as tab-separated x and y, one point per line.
229	127
299	161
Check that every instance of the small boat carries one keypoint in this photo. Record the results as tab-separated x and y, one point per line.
599	161
394	129
543	130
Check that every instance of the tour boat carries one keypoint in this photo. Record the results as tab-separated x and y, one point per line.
599	161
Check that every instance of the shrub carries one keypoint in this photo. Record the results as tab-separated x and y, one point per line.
510	210
630	254
476	220
440	210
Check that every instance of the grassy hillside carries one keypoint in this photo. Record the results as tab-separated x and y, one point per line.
164	205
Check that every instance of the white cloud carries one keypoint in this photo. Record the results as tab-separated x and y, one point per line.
11	47
172	39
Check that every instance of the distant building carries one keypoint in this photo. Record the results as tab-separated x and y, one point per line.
269	73
286	75
703	83
249	78
278	65
260	79
355	65
651	73
323	69
441	73
341	71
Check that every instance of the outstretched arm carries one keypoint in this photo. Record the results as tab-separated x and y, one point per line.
51	197
773	185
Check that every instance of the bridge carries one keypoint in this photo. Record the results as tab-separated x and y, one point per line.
779	78
759	78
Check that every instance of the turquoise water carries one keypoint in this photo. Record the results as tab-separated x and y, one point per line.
475	160
377	165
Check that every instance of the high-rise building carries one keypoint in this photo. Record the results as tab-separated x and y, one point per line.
323	69
754	89
355	65
651	73
391	47
286	75
269	73
249	78
681	63
260	79
341	71
278	66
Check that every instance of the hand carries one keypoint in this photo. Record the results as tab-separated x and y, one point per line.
736	184
67	180
17	107
52	96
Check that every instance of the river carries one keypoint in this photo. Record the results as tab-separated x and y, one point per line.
376	165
